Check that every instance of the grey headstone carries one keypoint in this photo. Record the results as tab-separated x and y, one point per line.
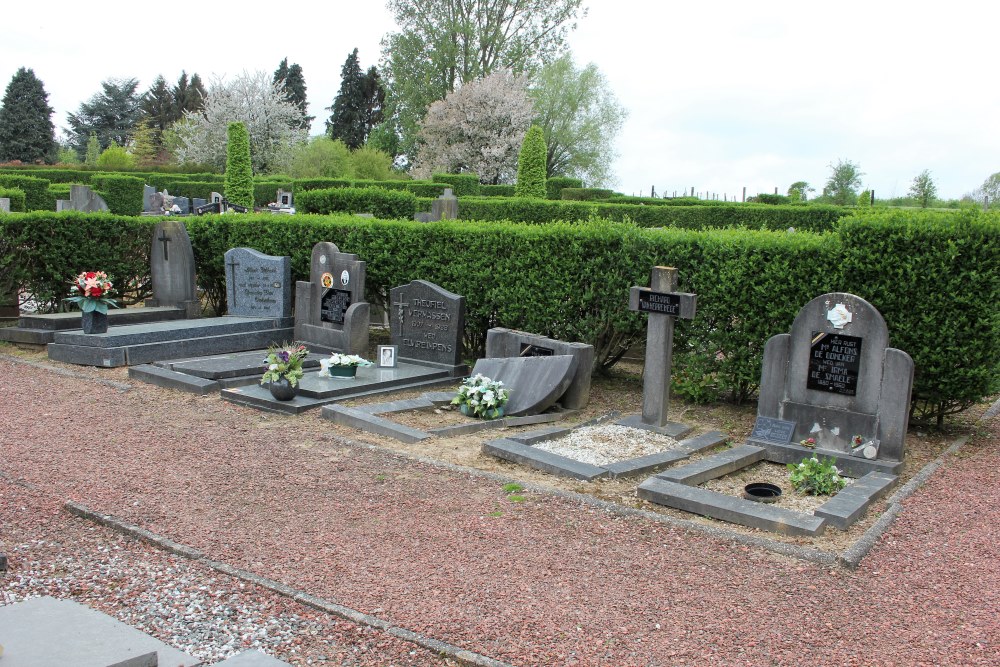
4	204
157	203
82	198
184	204
330	310
171	267
196	202
215	198
427	323
283	198
835	376
445	207
147	198
64	205
258	285
535	383
502	342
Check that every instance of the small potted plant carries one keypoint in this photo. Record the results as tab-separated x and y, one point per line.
341	365
480	396
92	292
816	477
284	370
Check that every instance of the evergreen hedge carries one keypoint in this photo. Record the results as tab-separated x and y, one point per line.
122	194
462	185
531	165
585	194
386	204
36	191
496	190
238	188
555	185
16	196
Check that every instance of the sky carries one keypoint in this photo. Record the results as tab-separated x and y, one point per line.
720	95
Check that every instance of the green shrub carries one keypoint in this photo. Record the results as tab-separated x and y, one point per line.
51	174
463	185
772	199
266	192
16	197
36	191
115	158
385	204
585	194
424	189
497	190
122	194
555	185
320	183
239	172
531	165
816	477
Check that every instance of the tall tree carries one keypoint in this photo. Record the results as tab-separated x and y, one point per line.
442	44
478	128
842	186
157	107
291	81
799	191
26	130
373	95
580	117
111	114
923	189
347	117
238	186
531	165
189	95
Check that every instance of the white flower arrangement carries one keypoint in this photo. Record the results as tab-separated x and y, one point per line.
338	359
480	396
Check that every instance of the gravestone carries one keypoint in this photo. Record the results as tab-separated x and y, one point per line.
171	267
258	285
147	198
535	383
330	310
835	377
4	204
502	342
82	198
182	203
283	197
663	303
197	202
427	322
215	198
445	207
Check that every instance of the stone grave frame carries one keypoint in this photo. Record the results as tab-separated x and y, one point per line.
330	310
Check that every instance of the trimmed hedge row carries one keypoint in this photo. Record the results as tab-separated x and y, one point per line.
463	185
556	184
122	194
571	281
36	191
585	194
16	197
387	204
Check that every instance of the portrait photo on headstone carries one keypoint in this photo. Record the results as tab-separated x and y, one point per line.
387	356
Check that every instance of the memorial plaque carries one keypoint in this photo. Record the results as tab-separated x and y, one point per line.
659	302
769	429
529	350
427	323
334	304
834	363
258	285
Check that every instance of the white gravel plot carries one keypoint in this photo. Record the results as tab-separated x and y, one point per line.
608	443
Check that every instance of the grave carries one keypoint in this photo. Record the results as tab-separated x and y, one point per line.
174	293
426	322
833	379
663	303
330	310
444	207
501	342
256	284
4	204
82	198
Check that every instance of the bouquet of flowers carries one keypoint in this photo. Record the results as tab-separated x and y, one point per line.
284	361
480	396
338	359
92	290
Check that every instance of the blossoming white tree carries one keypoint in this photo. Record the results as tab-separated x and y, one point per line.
253	99
478	128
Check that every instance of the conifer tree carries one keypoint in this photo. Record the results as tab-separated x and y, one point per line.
189	95
358	106
157	107
26	130
531	165
239	172
292	83
93	150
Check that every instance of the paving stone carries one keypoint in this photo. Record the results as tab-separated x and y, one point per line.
537	419
440	397
252	658
465	429
670	429
704	441
714	466
162	377
541	435
728	508
510	450
645	464
373	424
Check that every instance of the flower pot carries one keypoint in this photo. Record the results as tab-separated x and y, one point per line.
466	410
343	371
282	390
94	322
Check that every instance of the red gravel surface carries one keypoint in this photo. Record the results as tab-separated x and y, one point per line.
543	582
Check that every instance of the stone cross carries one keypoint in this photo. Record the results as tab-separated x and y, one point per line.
401	305
165	239
663	303
232	264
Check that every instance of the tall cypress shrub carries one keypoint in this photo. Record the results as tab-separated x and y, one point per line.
239	174
531	165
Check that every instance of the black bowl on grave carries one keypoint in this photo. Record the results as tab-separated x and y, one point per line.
762	492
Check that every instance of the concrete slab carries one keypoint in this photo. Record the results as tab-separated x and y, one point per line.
670	429
44	631
251	659
233	365
853	501
852	466
645	464
704	441
373	424
728	508
162	377
714	466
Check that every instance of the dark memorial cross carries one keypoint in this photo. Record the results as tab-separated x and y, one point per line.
663	303
232	264
165	239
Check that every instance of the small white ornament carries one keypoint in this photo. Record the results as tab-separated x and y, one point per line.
322	259
839	316
870	451
345	277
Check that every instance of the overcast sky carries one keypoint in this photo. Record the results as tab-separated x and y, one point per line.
721	95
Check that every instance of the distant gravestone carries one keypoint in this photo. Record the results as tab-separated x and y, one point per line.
215	198
4	204
445	207
258	285
427	323
197	202
283	197
157	203
82	198
330	310
147	198
171	267
835	377
182	203
663	303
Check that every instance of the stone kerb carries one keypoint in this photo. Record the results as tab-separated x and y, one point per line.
501	342
258	285
330	309
835	377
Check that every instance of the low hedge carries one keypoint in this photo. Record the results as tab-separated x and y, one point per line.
571	280
122	194
584	194
425	189
556	184
16	197
265	191
463	185
385	204
496	190
36	191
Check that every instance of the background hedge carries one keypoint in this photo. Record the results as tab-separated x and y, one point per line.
381	203
16	196
462	185
122	194
36	191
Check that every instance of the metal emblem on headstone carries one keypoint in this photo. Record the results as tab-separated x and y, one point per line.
326	279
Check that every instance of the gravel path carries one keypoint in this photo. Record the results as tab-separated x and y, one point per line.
541	582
